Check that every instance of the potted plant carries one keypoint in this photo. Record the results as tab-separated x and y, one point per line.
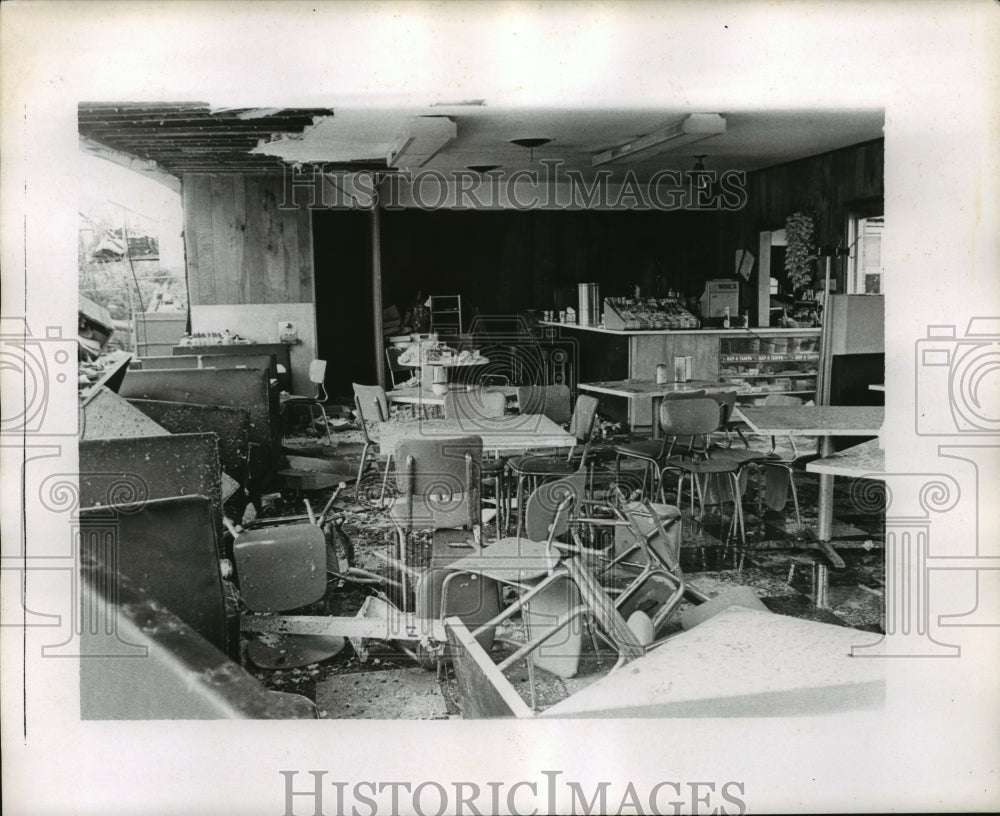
800	233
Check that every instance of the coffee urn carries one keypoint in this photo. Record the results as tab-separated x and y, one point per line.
589	313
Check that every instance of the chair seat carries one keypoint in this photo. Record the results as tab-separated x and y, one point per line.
643	448
510	560
452	537
544	465
743	455
299	398
703	465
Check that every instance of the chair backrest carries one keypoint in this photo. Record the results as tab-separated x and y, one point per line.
371	403
551	400
317	372
317	376
727	402
689	417
670	443
476	404
442	475
582	423
540	510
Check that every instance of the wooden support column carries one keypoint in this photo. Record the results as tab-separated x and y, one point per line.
764	280
377	293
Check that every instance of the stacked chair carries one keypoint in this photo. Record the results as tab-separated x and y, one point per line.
552	573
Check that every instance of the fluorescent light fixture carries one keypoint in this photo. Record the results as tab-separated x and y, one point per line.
425	137
694	128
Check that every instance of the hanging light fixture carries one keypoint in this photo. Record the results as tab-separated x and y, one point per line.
482	168
702	182
531	144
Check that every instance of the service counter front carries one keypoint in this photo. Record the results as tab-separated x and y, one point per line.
757	361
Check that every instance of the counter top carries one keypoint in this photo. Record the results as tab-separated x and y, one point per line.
644	332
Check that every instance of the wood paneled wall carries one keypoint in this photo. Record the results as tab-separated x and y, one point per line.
504	262
241	246
830	185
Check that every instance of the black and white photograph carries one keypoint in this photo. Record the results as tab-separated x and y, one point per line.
500	408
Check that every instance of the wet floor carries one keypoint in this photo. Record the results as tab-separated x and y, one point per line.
779	561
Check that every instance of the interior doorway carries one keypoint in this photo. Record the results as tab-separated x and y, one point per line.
345	322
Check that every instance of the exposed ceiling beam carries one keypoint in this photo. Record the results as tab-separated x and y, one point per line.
150	169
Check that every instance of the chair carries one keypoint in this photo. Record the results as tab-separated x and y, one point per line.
697	419
776	494
555	587
372	406
317	376
480	404
282	565
582	423
397	373
553	401
650	451
438	484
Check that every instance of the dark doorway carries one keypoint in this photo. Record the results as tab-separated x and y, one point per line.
345	324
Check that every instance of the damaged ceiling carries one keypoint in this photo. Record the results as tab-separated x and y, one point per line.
189	137
178	138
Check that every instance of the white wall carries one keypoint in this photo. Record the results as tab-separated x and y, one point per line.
259	322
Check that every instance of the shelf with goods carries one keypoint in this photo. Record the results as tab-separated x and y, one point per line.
446	314
762	365
647	314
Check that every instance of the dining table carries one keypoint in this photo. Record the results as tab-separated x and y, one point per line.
502	436
637	389
824	422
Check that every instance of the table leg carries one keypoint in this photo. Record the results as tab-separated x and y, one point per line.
657	430
824	510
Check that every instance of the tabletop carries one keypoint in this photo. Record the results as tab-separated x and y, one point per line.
502	435
449	362
634	389
813	420
425	396
866	459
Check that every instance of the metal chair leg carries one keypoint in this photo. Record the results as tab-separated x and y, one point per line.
385	481
326	421
795	497
361	470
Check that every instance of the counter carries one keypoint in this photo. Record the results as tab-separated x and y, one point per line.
758	361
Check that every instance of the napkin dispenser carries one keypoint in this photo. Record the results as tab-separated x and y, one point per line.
682	369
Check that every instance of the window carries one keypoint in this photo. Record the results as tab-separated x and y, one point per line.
865	263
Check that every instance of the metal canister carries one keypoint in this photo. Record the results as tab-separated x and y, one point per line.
662	373
589	296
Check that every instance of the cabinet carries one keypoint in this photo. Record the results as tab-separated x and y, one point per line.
770	364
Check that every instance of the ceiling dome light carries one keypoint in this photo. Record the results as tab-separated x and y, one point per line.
531	144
